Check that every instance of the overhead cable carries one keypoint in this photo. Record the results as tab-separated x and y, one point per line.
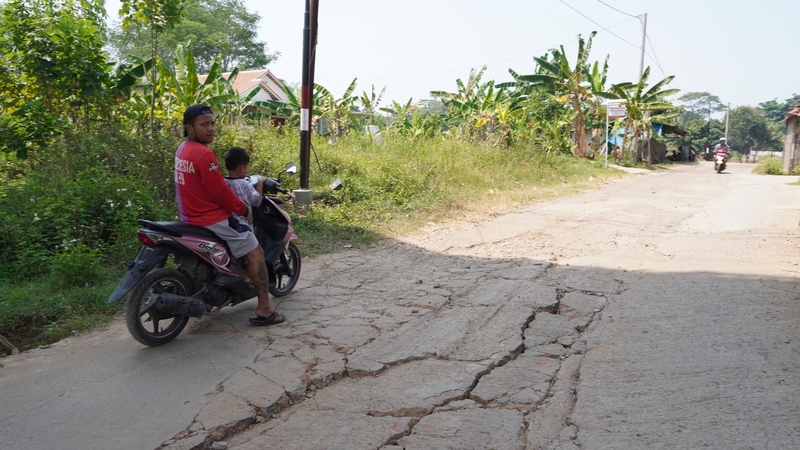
615	9
590	20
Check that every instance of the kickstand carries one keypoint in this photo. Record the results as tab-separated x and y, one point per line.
216	310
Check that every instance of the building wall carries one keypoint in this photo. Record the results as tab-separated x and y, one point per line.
791	145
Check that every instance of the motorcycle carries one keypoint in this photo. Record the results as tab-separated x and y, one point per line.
719	162
202	276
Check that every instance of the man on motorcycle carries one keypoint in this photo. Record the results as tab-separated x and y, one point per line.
204	199
722	149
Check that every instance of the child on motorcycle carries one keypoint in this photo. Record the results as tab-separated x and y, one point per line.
237	161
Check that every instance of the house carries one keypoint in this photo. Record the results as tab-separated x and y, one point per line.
791	141
271	88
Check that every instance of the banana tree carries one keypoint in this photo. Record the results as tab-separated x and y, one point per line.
509	117
643	106
180	87
595	113
336	111
371	102
403	114
291	109
551	132
467	105
233	108
569	82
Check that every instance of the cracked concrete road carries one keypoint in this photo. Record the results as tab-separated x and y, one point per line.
655	312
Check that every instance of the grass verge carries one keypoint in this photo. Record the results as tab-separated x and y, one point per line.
388	190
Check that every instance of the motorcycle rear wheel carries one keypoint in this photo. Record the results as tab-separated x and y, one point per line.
145	322
287	271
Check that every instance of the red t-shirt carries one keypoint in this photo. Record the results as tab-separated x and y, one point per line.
203	196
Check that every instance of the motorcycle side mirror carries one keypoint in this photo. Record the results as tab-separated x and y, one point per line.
290	168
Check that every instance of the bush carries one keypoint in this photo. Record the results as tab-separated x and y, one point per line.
771	165
79	266
45	216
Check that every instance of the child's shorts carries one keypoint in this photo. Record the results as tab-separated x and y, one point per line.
237	233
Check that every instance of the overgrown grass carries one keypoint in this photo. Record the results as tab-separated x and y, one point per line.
67	262
770	165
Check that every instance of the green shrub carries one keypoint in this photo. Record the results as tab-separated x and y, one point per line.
771	165
79	266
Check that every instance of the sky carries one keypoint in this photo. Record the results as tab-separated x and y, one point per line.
744	52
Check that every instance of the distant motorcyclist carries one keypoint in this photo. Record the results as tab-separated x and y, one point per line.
722	149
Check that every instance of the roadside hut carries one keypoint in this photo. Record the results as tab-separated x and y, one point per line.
654	152
791	141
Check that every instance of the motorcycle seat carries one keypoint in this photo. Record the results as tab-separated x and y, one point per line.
179	228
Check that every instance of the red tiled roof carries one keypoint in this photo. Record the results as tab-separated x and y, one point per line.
247	79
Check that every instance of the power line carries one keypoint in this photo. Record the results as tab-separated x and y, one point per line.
655	58
615	9
590	20
542	51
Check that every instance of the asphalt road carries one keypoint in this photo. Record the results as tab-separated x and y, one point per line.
654	312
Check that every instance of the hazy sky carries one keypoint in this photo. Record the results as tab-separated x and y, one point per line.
745	52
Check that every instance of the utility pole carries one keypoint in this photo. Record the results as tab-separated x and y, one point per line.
727	122
644	37
635	142
303	196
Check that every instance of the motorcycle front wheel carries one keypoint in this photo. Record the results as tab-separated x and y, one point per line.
287	271
145	322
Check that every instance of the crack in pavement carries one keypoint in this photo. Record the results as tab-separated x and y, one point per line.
411	388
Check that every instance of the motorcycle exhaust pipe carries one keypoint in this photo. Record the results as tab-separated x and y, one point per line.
180	305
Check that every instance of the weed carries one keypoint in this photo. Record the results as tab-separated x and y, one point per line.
771	165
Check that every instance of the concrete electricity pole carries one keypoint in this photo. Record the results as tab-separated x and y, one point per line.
635	142
303	196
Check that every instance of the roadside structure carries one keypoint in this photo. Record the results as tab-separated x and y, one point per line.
791	141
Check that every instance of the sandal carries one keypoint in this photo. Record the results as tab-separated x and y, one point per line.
273	319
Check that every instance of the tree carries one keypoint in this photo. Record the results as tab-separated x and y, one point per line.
644	107
463	106
751	130
699	105
371	103
775	111
157	16
179	86
432	107
570	82
54	72
336	111
701	132
216	28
